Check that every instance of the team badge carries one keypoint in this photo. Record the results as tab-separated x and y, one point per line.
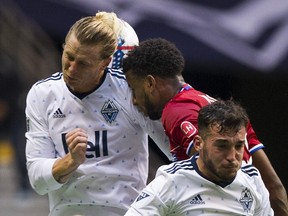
188	128
246	199
109	111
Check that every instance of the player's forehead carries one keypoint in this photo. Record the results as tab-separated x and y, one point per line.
238	135
73	46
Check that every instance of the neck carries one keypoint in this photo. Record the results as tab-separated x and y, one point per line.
176	85
170	87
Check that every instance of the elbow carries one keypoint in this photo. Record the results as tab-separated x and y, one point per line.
37	183
38	177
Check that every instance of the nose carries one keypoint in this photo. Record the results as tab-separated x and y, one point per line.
72	66
231	154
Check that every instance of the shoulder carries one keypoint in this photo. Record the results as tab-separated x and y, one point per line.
250	173
116	74
115	80
46	86
190	99
250	170
179	173
177	167
192	95
53	78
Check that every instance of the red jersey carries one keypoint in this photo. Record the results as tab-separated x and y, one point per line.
179	119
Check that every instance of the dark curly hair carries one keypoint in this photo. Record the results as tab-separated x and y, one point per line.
157	57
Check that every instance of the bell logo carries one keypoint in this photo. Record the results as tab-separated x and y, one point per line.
188	128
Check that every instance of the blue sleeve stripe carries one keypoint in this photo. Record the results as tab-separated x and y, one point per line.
116	73
256	148
180	165
179	168
250	170
55	76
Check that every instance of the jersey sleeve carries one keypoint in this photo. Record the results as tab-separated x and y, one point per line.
40	151
184	131
180	120
253	142
152	200
153	128
180	123
264	206
156	131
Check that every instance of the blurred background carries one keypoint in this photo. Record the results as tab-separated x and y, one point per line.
232	48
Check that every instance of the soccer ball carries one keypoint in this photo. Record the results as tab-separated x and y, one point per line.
127	40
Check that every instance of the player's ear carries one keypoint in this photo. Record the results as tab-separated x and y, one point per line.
105	63
150	82
197	143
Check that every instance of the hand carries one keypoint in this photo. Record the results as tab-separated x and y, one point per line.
77	144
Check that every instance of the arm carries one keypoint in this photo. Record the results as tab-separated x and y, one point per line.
179	119
64	167
40	149
263	204
278	195
47	172
149	201
154	129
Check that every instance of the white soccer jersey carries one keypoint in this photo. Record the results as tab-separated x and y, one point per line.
116	165
179	189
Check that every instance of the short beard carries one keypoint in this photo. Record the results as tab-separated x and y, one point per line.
210	166
150	109
154	116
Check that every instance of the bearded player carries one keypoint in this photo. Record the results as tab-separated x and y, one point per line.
154	73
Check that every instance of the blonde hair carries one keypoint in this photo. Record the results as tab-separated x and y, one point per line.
102	28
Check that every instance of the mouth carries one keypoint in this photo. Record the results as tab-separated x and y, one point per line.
231	168
69	78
